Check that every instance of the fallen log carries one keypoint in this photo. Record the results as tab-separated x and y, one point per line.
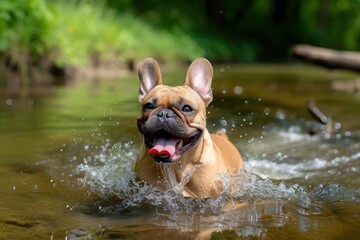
329	58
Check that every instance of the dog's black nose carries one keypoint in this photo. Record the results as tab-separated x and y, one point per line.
165	114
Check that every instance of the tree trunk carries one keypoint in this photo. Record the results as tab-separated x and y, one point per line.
327	57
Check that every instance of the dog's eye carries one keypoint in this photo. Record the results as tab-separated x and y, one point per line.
187	108
148	106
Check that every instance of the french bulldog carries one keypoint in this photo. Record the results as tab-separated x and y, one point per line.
177	148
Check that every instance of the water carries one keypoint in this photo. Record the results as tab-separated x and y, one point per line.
67	156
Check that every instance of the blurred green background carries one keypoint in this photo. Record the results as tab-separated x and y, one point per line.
52	35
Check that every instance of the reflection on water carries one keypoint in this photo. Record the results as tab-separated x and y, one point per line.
252	202
67	163
300	156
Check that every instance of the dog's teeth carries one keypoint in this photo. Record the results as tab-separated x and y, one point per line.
179	144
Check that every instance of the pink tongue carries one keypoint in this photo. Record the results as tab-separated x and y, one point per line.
164	146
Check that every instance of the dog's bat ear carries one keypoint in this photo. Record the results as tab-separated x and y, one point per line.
199	77
149	76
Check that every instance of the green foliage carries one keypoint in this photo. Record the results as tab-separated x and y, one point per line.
85	30
23	26
80	32
254	30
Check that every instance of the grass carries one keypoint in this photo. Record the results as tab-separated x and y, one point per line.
82	32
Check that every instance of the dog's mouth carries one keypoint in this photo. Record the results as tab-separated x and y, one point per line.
165	147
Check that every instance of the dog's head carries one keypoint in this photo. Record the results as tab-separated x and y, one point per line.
172	119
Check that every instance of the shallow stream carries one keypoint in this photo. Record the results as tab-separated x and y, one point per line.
67	156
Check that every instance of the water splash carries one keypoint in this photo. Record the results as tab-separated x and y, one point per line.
252	201
287	155
245	201
116	178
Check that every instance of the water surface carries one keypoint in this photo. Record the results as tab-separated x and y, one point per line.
67	155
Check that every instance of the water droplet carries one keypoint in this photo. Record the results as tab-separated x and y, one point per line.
9	102
280	114
337	126
267	111
327	135
347	133
238	90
